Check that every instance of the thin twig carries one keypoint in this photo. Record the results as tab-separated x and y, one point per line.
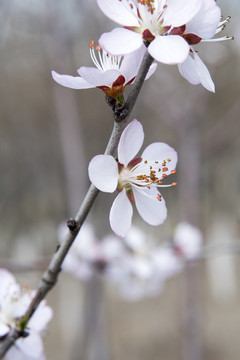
50	276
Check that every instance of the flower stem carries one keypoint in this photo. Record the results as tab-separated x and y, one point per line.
50	276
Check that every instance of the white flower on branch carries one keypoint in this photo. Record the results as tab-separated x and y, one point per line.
187	241
89	256
110	74
146	267
13	304
137	180
170	28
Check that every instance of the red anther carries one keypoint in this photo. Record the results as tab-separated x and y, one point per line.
92	44
131	6
165	169
173	172
159	182
98	48
159	197
164	175
174	184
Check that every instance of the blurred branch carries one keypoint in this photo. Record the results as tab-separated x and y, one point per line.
49	277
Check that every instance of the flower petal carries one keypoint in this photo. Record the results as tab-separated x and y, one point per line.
72	82
160	151
203	73
205	22
153	211
98	77
4	329
130	142
122	12
120	41
179	12
103	173
31	345
8	285
188	70
151	70
121	214
131	63
170	49
41	317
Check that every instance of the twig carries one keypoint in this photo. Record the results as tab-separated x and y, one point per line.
50	276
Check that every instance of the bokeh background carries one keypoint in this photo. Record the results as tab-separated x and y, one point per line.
48	134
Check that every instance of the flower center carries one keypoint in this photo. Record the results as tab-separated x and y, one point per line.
149	14
103	60
144	174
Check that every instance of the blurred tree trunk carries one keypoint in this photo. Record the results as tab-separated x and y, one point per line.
190	174
67	114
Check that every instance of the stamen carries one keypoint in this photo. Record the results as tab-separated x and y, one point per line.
227	37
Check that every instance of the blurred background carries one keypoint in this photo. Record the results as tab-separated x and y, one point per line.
49	133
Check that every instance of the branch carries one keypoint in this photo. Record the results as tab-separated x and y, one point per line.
50	276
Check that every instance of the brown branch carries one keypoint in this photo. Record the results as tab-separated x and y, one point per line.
50	276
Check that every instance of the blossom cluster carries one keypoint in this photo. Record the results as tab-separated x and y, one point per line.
14	302
137	266
169	29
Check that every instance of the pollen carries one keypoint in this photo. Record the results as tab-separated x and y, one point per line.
92	44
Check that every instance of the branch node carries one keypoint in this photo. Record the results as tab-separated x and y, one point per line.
73	225
121	113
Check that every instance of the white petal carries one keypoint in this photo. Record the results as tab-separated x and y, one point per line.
131	63
103	173
120	41
188	70
72	82
160	151
120	11
130	142
8	285
98	77
31	345
151	70
170	49
188	239
153	211
205	22
179	12
121	214
4	329
203	73
41	317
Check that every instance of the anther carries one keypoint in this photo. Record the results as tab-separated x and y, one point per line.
173	172
174	184
92	44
